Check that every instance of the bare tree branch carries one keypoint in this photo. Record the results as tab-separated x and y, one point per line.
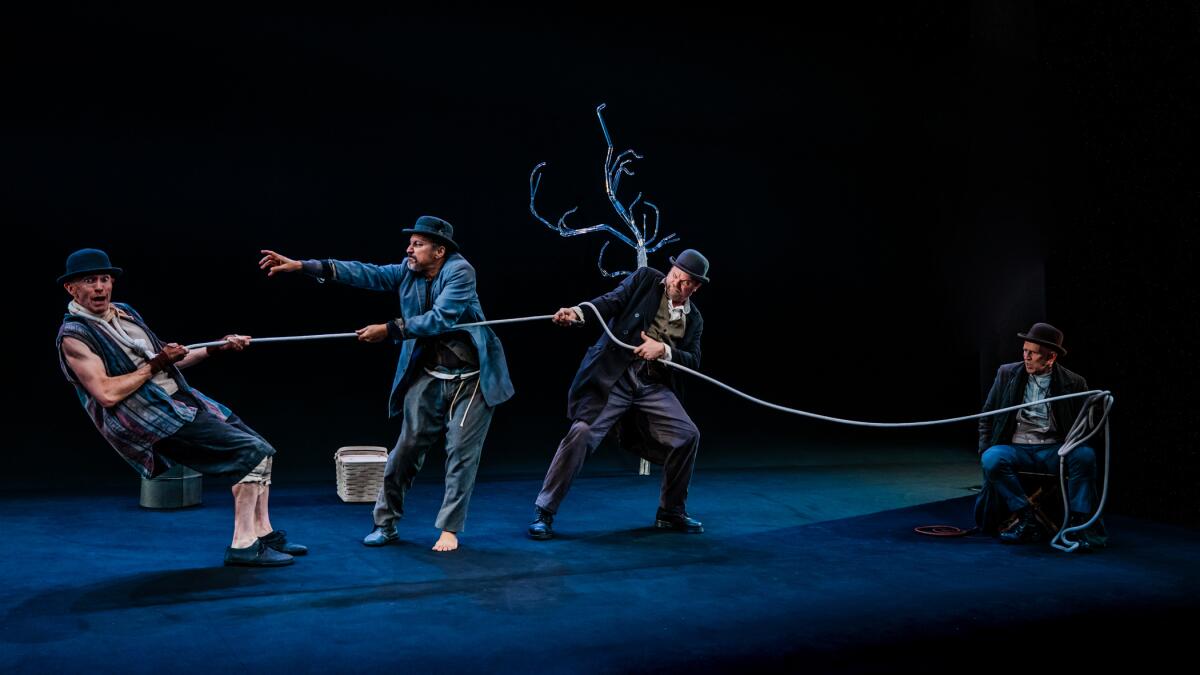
653	236
669	239
600	265
613	170
535	181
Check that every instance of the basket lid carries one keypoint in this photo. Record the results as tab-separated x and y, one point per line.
362	459
360	450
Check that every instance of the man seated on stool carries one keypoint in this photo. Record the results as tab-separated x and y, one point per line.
1028	440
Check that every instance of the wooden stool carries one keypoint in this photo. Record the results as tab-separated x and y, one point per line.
1045	498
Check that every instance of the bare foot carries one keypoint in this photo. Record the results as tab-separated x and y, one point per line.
447	542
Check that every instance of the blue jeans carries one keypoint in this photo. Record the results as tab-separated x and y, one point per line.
1002	489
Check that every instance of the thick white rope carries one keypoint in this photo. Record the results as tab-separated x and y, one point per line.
328	336
289	338
1076	437
840	420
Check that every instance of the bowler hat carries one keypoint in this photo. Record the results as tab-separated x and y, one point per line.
88	261
1045	334
434	227
693	263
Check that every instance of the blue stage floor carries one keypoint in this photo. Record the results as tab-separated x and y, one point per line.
811	568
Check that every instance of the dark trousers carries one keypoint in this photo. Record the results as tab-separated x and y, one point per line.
669	424
229	449
431	422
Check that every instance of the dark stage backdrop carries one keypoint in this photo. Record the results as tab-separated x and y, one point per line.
887	195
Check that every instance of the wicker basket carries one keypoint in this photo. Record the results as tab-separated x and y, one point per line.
360	472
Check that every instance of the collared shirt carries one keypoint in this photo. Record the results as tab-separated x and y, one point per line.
1034	425
677	313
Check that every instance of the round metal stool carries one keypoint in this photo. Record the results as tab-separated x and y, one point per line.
178	488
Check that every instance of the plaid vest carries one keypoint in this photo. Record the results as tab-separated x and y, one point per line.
143	418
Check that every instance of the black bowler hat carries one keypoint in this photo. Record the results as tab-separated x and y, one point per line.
693	263
436	228
1045	334
88	261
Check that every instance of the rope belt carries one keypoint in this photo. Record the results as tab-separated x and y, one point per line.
451	377
461	378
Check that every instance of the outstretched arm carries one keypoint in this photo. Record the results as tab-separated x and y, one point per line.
357	274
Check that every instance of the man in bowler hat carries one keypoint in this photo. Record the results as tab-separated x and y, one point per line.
632	390
1028	440
447	381
130	384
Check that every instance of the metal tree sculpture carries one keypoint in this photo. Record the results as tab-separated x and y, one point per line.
613	170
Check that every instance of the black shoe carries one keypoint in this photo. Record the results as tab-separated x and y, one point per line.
540	527
278	541
1090	539
680	522
1026	530
257	554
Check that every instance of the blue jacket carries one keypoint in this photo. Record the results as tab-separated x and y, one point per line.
454	301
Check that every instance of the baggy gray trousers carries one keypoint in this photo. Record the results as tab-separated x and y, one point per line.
669	425
438	414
